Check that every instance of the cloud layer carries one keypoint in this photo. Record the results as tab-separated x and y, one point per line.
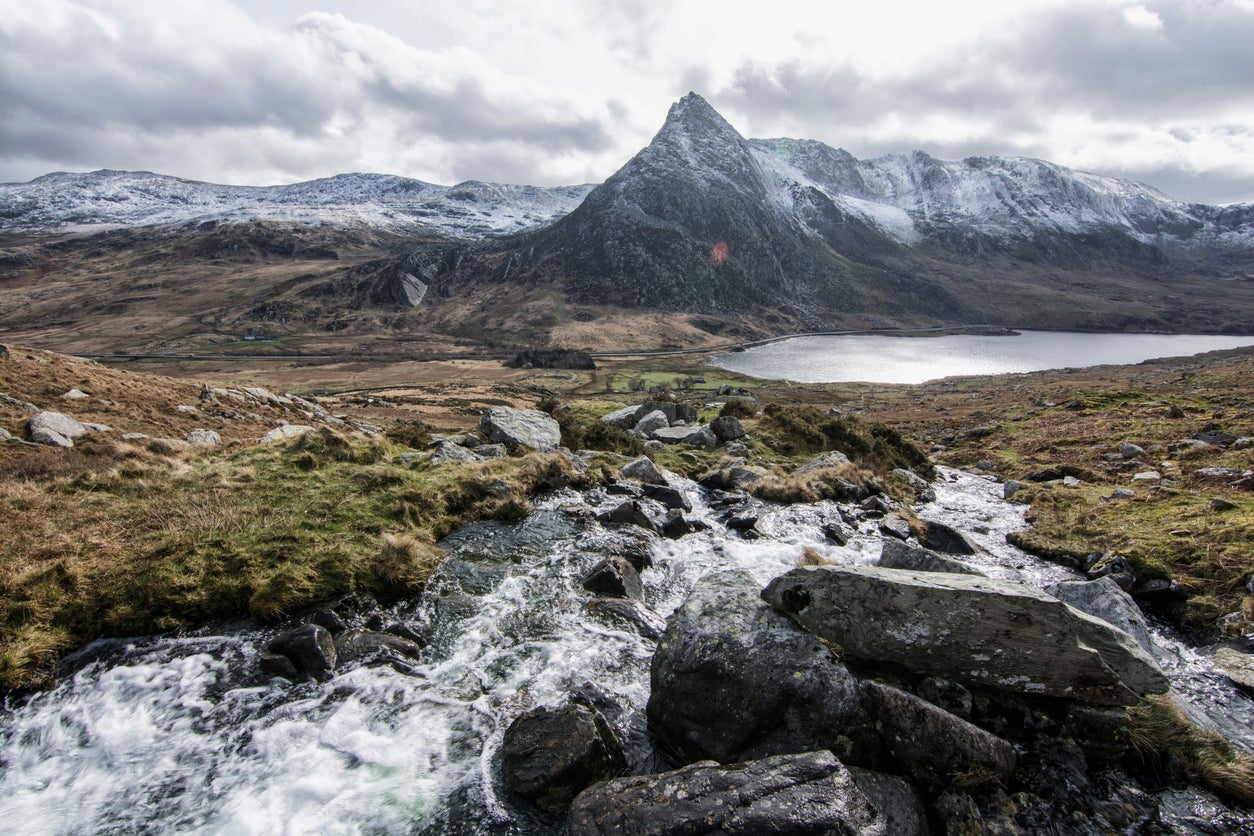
559	91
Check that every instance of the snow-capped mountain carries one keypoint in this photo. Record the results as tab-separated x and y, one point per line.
704	220
108	199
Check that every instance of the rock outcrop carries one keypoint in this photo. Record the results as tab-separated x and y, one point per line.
977	630
549	755
527	429
732	679
801	794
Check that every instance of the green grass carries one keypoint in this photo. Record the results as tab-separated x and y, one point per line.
139	541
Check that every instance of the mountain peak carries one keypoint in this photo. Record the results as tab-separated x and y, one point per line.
693	115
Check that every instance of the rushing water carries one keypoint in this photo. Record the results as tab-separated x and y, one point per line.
887	359
184	734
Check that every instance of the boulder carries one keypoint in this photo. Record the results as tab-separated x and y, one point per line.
285	432
674	525
727	428
733	679
641	512
668	496
528	429
832	458
801	794
614	577
310	649
643	470
696	436
447	451
735	478
946	540
208	438
977	630
895	526
75	395
549	755
675	412
624	418
933	746
650	423
1131	451
895	554
1103	598
55	429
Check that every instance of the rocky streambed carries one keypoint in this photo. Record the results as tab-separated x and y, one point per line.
651	654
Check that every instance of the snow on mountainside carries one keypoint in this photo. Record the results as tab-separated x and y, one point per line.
911	195
106	199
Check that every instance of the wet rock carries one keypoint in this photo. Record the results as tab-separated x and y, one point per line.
823	461
895	526
803	794
675	525
527	429
727	428
276	664
1238	666
733	679
899	804
694	436
354	645
946	540
285	432
668	496
54	429
309	647
447	451
838	532
208	438
641	512
1101	732
549	755
631	613
978	630
643	470
1009	488
651	423
933	746
1103	598
614	577
895	554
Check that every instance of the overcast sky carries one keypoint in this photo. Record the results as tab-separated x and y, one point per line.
565	91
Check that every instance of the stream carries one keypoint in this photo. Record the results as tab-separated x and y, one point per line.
160	735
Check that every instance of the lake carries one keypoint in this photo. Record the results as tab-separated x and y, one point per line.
894	359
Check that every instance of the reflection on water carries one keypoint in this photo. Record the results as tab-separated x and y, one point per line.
885	359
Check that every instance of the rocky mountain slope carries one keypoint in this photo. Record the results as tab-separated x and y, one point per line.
703	219
702	236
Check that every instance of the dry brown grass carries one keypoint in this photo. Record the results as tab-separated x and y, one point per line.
1159	729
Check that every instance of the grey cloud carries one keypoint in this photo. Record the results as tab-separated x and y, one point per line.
69	96
1085	58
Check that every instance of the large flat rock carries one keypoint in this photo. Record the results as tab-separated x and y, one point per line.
978	630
